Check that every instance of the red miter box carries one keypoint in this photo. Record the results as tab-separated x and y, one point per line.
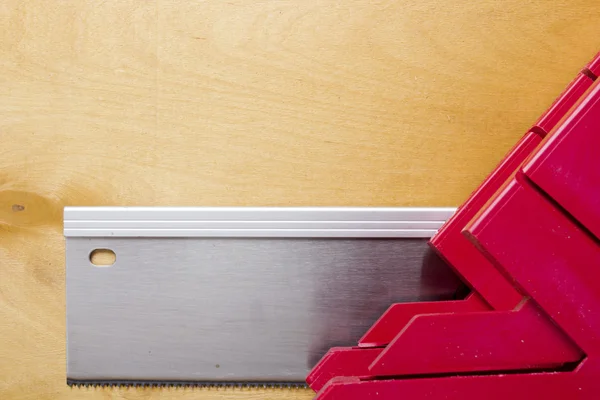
527	242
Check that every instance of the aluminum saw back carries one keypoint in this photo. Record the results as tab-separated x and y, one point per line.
247	295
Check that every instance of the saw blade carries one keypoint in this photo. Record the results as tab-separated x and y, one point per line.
184	384
252	296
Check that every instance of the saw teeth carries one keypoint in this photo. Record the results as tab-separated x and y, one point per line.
186	384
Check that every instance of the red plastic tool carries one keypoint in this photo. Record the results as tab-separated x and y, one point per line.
567	167
532	321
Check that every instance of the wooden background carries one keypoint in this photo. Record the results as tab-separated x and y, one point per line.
245	102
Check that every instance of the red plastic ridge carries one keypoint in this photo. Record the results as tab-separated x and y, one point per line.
399	315
480	341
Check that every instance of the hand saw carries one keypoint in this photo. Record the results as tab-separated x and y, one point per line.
221	296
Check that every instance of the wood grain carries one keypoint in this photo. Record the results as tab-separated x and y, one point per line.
244	102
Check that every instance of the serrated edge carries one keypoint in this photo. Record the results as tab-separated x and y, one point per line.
185	384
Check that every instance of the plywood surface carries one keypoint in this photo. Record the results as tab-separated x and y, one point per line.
298	102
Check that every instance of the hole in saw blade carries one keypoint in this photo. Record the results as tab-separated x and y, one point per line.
103	257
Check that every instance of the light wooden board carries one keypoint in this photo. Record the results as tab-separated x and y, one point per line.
298	102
